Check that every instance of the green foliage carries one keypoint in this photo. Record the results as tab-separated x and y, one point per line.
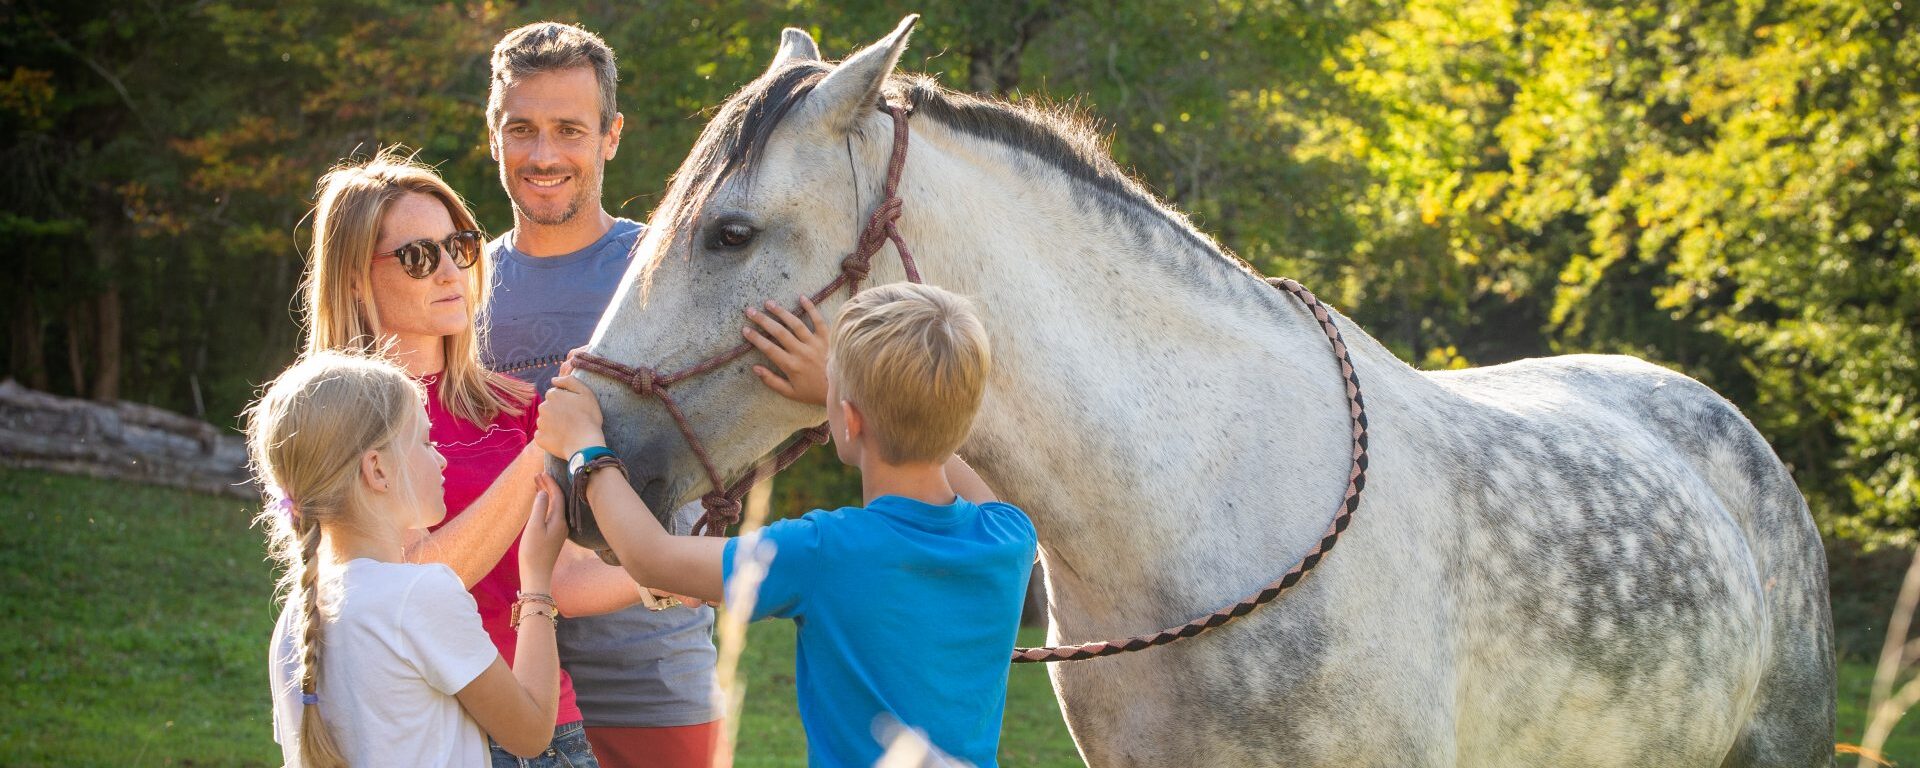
1726	188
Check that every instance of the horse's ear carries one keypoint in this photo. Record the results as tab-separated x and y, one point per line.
853	88
795	45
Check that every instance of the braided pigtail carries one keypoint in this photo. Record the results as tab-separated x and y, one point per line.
317	746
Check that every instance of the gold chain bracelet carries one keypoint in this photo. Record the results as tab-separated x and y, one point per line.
535	598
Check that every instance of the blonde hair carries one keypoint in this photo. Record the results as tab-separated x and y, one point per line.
337	289
914	358
305	437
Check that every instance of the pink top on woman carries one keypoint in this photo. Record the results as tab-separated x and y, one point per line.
476	455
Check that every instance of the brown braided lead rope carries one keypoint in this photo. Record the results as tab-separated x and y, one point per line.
722	503
1343	516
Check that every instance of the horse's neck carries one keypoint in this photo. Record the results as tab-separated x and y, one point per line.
1156	410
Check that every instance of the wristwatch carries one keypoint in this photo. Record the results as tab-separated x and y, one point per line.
585	456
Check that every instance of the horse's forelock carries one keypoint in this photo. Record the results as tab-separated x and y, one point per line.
729	145
738	133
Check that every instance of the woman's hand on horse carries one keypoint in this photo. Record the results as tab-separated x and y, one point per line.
543	536
690	602
798	347
569	419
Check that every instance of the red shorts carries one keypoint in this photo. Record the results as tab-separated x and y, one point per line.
685	746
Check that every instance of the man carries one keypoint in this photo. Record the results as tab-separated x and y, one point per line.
644	677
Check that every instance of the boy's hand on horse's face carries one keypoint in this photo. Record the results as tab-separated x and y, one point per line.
569	419
798	347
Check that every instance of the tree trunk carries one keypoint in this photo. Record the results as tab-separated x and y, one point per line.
988	73
106	381
76	360
103	238
993	56
29	353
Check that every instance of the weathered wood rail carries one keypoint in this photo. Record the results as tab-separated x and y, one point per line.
122	440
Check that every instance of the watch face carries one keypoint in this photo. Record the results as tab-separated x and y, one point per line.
574	464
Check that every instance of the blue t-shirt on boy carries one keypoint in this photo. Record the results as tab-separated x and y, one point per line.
945	583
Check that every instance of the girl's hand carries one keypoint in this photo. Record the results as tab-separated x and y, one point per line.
798	348
546	530
569	419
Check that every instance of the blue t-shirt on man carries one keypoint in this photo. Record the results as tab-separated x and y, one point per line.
905	610
632	668
542	308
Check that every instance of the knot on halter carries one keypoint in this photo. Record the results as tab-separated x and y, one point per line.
856	267
878	228
643	380
722	511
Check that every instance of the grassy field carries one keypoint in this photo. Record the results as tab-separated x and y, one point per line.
133	625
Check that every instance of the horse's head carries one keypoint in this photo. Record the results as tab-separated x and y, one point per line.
766	206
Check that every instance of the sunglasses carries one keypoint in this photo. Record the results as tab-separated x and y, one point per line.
421	257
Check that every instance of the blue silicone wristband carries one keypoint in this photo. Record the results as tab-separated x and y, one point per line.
585	455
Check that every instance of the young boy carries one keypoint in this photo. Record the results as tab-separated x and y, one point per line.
906	606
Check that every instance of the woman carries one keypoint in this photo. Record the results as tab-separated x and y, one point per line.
395	265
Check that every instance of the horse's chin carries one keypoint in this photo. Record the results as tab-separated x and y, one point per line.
662	498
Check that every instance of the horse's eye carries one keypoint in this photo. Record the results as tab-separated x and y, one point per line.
732	235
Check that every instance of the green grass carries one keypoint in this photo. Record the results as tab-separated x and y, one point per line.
135	626
134	622
1856	687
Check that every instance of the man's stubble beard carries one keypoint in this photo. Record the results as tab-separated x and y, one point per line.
574	206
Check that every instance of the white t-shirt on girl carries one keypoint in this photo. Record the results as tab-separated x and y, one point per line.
402	640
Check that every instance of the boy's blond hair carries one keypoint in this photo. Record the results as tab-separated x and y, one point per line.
914	359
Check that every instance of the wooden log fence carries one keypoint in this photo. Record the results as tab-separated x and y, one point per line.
122	441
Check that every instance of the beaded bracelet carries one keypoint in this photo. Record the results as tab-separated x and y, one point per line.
522	599
514	621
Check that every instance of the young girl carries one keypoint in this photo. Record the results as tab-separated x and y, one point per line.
376	660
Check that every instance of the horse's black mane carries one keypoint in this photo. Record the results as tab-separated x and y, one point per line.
1062	138
734	138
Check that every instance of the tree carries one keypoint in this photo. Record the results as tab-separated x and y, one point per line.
1728	189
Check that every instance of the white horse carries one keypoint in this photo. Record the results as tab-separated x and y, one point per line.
1577	561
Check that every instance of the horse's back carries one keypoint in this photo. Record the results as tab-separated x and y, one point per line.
1654	550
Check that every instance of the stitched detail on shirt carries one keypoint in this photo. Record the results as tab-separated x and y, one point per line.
493	431
530	364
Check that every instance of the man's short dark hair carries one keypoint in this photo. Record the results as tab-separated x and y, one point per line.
550	46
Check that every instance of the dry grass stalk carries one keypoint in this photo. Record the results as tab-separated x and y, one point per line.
909	748
905	749
1887	705
749	569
